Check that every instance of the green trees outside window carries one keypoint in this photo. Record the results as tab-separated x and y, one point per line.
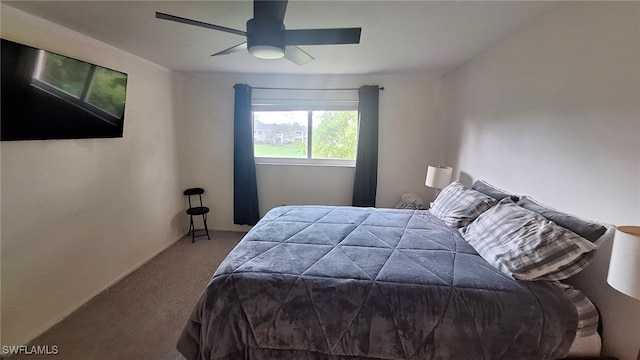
285	134
334	134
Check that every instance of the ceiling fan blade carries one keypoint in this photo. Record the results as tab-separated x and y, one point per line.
269	10
297	55
323	36
235	48
179	19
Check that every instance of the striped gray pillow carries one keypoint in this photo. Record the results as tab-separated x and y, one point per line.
457	206
588	317
527	246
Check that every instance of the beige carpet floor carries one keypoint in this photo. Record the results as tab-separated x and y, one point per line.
142	316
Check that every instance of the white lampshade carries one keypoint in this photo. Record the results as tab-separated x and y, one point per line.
438	176
624	266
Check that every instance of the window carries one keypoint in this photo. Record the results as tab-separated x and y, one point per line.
90	87
305	133
280	134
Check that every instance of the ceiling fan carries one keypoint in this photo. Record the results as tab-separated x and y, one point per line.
267	37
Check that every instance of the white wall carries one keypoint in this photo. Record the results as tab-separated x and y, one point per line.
553	111
408	142
77	215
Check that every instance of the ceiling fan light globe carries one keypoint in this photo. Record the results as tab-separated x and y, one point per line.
266	52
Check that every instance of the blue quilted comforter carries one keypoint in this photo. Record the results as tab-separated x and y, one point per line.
318	282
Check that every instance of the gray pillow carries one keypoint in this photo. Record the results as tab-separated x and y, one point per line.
527	246
490	190
587	230
457	205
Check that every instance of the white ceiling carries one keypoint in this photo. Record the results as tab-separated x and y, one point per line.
408	37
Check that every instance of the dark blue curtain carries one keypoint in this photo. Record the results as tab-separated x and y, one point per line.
245	187
366	179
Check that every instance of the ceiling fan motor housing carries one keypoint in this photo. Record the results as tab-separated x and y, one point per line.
265	39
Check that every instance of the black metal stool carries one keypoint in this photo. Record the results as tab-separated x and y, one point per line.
195	211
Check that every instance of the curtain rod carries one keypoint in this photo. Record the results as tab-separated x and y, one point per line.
334	89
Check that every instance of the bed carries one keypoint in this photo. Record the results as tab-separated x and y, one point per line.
326	282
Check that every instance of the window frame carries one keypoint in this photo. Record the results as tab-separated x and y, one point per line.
309	106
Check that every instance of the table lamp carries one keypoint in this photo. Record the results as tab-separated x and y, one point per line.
624	266
438	177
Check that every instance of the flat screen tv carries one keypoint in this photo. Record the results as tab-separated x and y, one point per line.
45	95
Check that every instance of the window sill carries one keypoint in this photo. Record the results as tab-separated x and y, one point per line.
305	162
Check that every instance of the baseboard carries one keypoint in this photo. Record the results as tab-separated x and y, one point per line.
86	300
236	229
